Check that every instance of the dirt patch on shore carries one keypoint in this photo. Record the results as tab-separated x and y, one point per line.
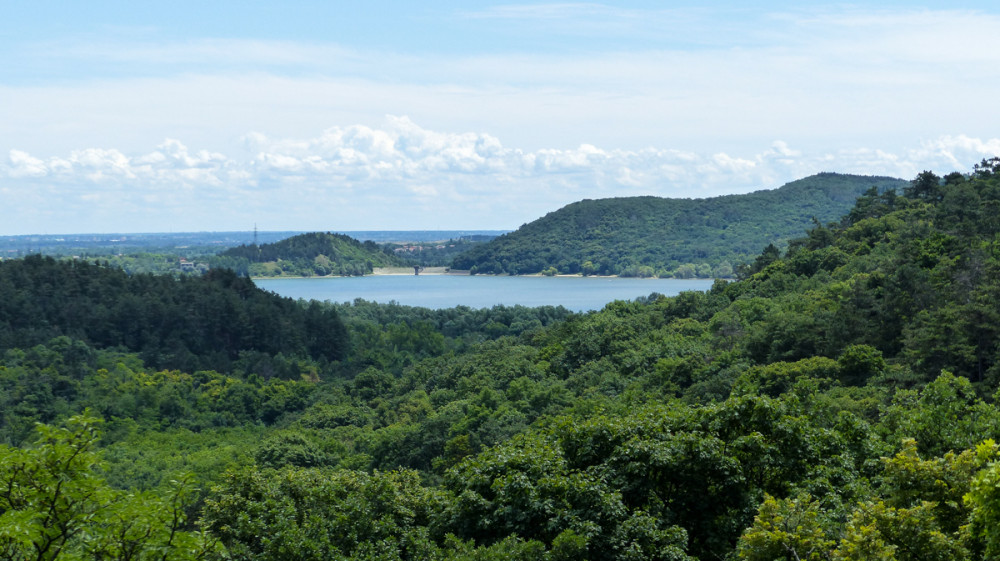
423	271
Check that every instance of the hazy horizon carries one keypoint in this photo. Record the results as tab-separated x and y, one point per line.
314	116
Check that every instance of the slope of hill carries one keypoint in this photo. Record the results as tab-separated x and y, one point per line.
837	402
647	236
197	322
306	255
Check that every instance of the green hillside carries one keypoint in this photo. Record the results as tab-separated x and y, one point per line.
192	322
837	402
305	255
652	236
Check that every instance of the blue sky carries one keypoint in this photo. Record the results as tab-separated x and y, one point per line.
174	116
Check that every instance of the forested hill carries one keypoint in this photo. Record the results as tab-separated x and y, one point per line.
315	253
652	236
193	323
837	402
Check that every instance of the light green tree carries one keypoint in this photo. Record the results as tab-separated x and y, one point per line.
793	529
54	506
984	499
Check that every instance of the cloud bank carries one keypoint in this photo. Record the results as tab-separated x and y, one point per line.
400	175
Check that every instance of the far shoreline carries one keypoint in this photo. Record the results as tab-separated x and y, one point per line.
445	271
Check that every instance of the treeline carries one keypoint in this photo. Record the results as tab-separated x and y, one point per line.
64	377
312	254
837	402
652	236
189	323
392	336
156	263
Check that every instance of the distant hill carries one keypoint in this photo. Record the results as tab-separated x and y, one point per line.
653	236
312	254
199	322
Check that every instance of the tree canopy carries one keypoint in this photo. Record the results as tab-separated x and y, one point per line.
837	401
311	254
192	322
652	236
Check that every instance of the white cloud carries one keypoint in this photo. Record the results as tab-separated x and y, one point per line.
567	100
23	164
401	175
170	165
957	151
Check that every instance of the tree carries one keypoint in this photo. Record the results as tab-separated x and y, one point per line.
306	514
878	531
686	271
987	168
528	488
984	499
946	415
54	506
926	186
792	529
770	254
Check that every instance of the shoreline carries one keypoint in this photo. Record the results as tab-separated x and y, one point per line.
441	271
408	271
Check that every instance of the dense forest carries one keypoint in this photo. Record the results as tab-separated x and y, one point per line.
837	401
306	255
193	322
652	236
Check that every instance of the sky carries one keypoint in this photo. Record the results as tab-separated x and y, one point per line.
179	116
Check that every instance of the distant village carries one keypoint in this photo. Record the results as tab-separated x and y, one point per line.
412	248
192	267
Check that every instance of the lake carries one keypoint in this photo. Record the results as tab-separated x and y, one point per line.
447	291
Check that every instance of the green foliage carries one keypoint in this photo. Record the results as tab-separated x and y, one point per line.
832	404
790	529
54	506
984	499
289	449
944	416
191	323
879	531
939	483
779	378
307	514
48	383
859	363
919	514
391	336
638	236
306	255
435	253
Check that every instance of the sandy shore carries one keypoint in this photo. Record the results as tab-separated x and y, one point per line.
409	271
403	271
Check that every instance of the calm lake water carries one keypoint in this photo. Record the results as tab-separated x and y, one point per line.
444	291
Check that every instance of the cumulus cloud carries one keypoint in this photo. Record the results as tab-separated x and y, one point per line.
394	174
23	164
402	150
169	164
